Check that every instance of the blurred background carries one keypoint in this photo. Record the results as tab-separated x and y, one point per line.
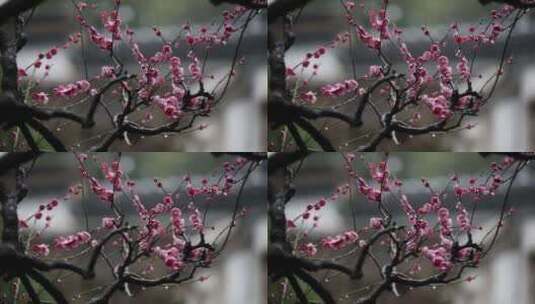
506	124
237	275
505	276
239	122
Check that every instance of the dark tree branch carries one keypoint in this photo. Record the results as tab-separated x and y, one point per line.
52	290
316	286
251	156
30	290
298	290
357	272
12	8
526	156
10	161
252	4
516	3
297	137
316	134
280	8
52	139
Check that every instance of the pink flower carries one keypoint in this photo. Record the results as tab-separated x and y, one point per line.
73	89
113	174
72	241
107	72
65	90
340	241
444	69
379	21
376	223
99	40
196	220
369	40
309	249
350	5
41	98
177	71
290	72
379	172
445	221
112	23
439	105
171	106
108	222
340	89
375	71
151	76
172	257
177	221
309	97
195	71
459	191
463	219
104	194
140	57
290	224
22	73
41	249
463	67
168	200
439	257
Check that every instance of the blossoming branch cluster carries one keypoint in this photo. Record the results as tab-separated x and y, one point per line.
172	229
439	229
409	92
171	81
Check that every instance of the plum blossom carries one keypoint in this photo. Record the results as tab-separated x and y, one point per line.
340	241
103	193
440	257
372	194
463	67
41	249
195	70
40	98
113	174
196	220
439	105
112	23
309	249
340	89
72	241
463	218
445	221
172	257
368	39
445	70
177	71
375	71
376	223
100	40
107	72
178	221
171	106
108	222
379	21
309	97
72	89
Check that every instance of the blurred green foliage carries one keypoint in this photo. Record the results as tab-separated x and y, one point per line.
145	13
162	164
156	164
410	164
415	12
